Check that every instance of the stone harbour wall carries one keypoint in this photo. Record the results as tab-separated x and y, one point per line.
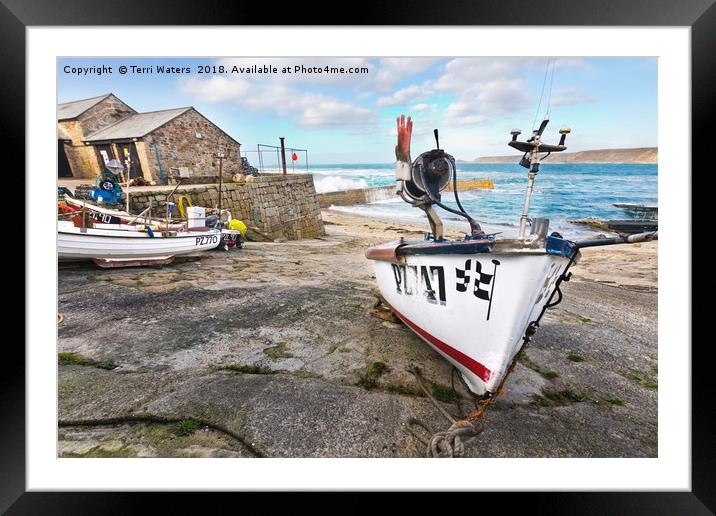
356	196
279	206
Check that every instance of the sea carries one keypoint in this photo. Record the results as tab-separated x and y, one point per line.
562	191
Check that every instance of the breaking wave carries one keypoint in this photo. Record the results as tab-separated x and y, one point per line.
336	183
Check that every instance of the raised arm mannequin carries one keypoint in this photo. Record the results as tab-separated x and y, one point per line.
405	132
402	150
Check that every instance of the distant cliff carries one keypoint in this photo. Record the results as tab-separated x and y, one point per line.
638	155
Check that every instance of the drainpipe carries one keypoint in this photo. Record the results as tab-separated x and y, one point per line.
162	177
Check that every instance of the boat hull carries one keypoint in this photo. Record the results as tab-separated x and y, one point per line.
473	309
229	238
125	244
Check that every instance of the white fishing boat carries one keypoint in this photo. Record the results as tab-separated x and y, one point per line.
117	243
230	238
478	300
105	215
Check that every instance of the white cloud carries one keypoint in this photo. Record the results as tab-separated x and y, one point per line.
215	89
332	114
288	94
484	88
404	95
481	91
419	108
392	70
312	110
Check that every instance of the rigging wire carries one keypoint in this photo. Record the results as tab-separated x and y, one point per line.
549	96
541	94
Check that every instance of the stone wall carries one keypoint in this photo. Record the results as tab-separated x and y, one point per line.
82	158
104	113
179	146
279	206
356	196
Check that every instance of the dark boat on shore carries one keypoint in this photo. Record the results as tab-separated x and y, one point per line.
647	211
645	219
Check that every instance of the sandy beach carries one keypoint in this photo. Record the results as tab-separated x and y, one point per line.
272	349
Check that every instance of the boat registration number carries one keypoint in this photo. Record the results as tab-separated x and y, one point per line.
431	283
206	239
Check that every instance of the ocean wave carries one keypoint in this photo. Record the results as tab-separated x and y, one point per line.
336	183
361	172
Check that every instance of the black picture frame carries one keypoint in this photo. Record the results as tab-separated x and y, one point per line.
700	15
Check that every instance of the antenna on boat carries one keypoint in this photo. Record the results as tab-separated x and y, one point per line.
533	147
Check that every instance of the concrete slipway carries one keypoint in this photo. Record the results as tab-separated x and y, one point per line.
273	350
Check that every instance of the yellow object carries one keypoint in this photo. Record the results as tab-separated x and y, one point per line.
182	210
472	184
238	225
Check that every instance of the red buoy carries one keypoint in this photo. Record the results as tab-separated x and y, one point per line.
294	157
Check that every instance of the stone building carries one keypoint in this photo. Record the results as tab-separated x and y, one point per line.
158	143
75	121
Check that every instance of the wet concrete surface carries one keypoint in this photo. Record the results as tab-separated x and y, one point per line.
276	344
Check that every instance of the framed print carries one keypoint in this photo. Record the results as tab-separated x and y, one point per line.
423	257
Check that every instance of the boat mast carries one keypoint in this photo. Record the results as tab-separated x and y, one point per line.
533	147
126	194
533	169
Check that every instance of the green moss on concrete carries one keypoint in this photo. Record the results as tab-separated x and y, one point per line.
77	359
406	390
249	369
186	427
443	393
73	358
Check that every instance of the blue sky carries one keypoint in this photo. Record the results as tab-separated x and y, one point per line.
350	118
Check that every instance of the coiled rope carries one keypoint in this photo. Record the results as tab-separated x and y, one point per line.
451	442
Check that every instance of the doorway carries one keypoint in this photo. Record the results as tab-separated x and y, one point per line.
104	154
130	150
63	164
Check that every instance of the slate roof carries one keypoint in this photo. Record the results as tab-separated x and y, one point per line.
136	126
70	110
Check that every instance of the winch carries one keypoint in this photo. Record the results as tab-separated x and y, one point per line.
424	179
